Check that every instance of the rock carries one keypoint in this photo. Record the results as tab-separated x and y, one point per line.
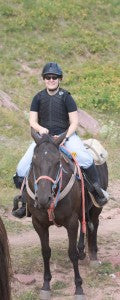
5	101
31	71
25	279
87	123
112	276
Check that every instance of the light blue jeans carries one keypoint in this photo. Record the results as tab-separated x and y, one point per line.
74	144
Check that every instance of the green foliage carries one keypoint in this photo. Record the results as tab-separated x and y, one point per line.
15	227
31	295
106	268
29	259
82	36
58	285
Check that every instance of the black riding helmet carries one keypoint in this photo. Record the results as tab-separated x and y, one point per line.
52	68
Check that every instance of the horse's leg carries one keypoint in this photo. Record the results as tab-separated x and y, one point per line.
46	253
72	230
81	245
92	235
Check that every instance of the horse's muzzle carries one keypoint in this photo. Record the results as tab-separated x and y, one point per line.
43	203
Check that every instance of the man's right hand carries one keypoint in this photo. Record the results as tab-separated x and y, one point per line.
43	130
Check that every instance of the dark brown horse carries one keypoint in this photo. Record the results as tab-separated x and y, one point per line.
4	264
46	168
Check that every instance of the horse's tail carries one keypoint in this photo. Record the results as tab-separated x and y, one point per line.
5	265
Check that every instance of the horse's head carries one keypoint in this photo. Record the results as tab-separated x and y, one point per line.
46	166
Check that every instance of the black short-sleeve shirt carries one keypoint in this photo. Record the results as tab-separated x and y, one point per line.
53	110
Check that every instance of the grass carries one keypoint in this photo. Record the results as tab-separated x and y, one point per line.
58	285
25	295
29	259
15	227
82	36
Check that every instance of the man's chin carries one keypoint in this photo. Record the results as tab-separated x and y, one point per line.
53	89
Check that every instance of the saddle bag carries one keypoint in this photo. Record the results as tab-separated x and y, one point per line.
97	151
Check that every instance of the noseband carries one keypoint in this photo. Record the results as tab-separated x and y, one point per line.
45	177
55	182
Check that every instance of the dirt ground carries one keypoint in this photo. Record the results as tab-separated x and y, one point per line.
104	287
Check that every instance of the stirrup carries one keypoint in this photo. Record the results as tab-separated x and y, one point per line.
94	201
105	194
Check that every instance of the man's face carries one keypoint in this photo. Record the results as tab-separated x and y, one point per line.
51	82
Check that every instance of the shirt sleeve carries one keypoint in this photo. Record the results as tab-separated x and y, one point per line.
70	103
35	103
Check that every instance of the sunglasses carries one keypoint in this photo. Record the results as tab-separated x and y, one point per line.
48	77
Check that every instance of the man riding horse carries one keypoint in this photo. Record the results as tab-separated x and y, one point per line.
54	111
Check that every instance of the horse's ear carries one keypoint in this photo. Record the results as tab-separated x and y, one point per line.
59	140
35	135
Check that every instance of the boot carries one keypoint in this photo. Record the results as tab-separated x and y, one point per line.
91	176
18	180
19	212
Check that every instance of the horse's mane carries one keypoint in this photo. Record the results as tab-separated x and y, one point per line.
4	264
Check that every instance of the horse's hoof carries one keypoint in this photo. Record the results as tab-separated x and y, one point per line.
45	295
79	297
94	263
81	255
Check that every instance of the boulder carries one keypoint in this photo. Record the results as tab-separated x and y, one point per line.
25	279
87	124
5	101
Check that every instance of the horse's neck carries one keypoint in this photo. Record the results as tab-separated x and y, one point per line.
31	177
67	163
67	169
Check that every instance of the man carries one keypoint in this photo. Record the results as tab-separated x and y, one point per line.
53	111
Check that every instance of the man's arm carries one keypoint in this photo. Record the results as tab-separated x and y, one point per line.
73	119
33	120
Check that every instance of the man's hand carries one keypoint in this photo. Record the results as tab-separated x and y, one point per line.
55	137
64	141
43	130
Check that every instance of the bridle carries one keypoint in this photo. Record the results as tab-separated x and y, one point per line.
55	196
55	182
